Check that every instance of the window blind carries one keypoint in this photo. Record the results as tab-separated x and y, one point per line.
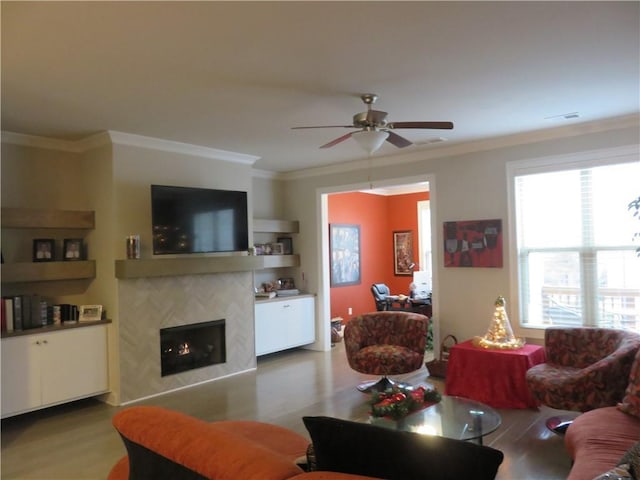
575	253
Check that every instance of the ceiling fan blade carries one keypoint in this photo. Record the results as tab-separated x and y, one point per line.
324	126
433	125
397	140
337	140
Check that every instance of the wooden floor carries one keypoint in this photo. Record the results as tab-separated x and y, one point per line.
76	441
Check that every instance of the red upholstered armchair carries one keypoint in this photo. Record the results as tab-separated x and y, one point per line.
586	368
385	343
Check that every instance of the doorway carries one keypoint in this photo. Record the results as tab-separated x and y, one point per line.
422	218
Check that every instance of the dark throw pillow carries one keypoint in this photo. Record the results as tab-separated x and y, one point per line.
145	464
364	449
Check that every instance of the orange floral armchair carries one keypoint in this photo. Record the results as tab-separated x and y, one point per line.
385	343
586	368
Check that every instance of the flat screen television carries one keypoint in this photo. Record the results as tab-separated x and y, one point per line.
198	220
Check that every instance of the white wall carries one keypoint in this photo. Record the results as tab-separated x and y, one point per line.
465	186
136	168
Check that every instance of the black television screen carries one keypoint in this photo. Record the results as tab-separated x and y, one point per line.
198	220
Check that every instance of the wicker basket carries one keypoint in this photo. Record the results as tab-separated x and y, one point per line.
438	367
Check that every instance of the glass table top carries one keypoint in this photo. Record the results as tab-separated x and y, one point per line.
452	417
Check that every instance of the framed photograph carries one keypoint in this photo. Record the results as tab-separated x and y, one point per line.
473	243
277	249
72	249
44	250
287	245
344	249
403	252
90	313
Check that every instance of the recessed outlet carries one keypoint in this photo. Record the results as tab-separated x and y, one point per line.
350	311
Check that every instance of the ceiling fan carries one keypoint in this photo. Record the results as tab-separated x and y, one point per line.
374	128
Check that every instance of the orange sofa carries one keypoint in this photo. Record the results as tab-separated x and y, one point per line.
598	439
164	444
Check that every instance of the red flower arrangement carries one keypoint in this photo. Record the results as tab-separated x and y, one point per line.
397	403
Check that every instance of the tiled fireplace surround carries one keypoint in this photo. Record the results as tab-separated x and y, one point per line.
148	304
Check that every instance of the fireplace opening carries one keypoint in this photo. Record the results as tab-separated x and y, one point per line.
192	346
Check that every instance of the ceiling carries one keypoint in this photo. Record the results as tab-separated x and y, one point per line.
236	76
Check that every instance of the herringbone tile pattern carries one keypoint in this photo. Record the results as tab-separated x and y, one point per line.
149	304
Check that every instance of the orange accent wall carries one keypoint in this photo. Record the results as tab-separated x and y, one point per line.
378	216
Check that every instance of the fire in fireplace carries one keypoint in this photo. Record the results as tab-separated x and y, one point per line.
192	346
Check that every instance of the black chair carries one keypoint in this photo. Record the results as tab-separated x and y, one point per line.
380	294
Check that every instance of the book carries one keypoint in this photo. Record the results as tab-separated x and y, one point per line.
43	313
17	312
35	319
3	317
8	304
26	311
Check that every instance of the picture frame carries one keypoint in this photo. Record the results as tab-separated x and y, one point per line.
44	250
287	245
277	249
344	249
473	243
72	249
90	313
403	263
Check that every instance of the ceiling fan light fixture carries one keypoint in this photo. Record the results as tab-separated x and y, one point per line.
370	140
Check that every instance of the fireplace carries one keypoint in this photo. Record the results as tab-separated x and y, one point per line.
192	346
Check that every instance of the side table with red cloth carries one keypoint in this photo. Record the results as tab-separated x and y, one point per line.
492	376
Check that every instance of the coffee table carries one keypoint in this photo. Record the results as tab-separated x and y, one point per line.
453	417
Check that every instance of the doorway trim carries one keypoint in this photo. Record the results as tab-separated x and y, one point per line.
322	203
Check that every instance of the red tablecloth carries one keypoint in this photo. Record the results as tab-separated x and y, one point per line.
494	377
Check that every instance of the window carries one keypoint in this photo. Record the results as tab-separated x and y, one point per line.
424	237
576	260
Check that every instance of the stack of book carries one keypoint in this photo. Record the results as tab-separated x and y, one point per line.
22	312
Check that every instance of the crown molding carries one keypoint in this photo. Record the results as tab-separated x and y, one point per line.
426	153
46	143
112	137
132	140
268	174
494	143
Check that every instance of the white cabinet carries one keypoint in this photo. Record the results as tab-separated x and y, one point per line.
283	323
43	369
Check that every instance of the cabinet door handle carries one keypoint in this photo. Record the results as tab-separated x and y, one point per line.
286	306
45	342
41	342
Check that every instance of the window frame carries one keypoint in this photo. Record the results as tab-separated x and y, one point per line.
550	164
